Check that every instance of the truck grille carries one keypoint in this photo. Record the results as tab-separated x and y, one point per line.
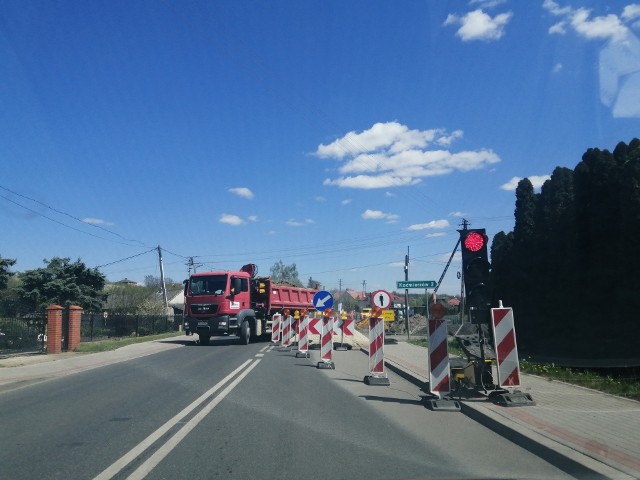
203	308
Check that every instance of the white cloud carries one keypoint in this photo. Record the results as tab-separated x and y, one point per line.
292	222
391	136
631	12
432	225
96	221
555	9
487	3
458	214
391	155
346	201
435	235
366	181
619	62
252	218
379	215
557	68
478	25
559	28
536	181
230	219
243	192
605	27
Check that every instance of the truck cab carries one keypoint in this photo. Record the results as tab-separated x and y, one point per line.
218	303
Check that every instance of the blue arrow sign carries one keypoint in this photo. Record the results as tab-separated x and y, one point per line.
322	300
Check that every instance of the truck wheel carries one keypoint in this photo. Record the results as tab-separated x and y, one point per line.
204	339
245	333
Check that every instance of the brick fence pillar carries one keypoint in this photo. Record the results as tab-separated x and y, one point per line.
54	329
75	314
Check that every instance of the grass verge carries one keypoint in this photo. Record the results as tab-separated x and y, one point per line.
624	383
115	343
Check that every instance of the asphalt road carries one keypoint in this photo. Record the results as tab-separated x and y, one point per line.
231	411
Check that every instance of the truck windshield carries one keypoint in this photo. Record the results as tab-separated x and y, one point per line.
208	285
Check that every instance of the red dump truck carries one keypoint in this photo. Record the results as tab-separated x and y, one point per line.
238	303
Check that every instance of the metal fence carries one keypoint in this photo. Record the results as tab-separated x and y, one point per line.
97	326
22	335
28	333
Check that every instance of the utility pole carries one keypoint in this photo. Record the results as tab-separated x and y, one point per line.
364	288
406	293
164	287
191	265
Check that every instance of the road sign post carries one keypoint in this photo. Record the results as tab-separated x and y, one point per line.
380	300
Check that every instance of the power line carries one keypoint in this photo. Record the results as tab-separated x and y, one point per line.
54	220
127	258
53	209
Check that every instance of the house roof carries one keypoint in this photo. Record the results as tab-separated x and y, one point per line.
356	295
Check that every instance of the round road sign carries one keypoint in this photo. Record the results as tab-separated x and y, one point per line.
381	299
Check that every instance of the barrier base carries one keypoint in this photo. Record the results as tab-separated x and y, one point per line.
302	354
341	346
442	405
514	399
326	365
377	380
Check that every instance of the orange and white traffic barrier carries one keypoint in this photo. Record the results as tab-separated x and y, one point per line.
326	343
275	328
504	334
377	375
303	338
439	379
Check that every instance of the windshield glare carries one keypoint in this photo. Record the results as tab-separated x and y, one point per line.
209	285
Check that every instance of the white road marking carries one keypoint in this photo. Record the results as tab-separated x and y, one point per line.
136	451
143	470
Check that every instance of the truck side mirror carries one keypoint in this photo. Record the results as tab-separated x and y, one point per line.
186	286
236	285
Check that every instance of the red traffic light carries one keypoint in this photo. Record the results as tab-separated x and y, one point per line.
474	242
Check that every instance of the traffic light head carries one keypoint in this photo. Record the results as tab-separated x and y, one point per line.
476	270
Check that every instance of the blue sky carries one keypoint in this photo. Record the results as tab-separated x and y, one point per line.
333	135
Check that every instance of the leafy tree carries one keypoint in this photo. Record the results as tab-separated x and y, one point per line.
64	283
571	256
151	281
285	273
5	274
501	261
125	299
313	283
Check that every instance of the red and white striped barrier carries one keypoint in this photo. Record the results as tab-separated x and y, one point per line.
303	337
314	326
286	332
275	328
349	326
439	380
326	344
377	374
504	334
337	326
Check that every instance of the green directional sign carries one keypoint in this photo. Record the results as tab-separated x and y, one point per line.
416	284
